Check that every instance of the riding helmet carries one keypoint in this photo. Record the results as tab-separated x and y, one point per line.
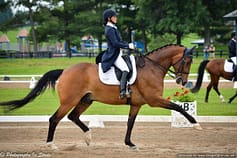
232	34
108	13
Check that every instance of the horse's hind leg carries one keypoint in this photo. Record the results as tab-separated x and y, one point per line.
77	111
218	93
53	122
232	98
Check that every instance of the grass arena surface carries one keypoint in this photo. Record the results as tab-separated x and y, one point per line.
153	140
47	103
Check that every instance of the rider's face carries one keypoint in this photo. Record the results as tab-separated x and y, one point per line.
114	19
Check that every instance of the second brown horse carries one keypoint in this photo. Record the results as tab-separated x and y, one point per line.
215	68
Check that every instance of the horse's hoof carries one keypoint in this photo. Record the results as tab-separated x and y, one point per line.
197	126
88	137
52	146
222	98
134	148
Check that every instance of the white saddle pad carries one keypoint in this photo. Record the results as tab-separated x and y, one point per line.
110	78
228	66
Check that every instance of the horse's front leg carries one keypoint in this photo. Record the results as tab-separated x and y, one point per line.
209	87
232	98
191	119
161	102
131	120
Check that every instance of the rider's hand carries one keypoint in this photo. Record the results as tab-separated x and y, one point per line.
131	46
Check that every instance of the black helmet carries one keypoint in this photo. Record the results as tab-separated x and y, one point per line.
232	34
108	13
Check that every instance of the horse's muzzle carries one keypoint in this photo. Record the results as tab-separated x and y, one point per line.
179	80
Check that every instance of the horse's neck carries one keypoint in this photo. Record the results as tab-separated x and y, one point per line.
158	63
161	58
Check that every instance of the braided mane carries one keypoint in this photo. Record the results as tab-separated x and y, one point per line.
140	60
157	49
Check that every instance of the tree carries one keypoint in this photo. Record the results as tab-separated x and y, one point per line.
66	24
32	6
179	17
90	20
211	20
5	15
146	21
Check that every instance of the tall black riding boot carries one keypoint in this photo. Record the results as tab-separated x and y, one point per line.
123	84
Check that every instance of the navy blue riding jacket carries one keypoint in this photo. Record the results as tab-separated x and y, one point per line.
114	42
232	48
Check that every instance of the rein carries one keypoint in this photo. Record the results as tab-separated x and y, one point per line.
169	70
162	67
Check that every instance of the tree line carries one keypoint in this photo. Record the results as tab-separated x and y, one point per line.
68	20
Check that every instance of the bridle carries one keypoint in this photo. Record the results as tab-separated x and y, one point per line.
178	74
183	61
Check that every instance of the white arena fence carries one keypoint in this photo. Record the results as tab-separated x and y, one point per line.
97	121
116	118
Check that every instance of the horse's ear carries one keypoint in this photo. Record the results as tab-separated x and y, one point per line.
193	48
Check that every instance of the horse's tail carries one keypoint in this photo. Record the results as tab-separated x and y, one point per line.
201	69
48	79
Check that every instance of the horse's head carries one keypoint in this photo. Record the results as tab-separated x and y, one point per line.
179	57
182	65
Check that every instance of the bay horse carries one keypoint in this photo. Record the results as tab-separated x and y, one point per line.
79	85
215	68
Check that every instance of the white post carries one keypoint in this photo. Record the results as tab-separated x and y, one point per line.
33	82
178	120
95	122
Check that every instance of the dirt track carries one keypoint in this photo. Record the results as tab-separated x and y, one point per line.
154	140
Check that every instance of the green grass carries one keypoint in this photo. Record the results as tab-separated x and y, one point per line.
47	104
186	41
38	66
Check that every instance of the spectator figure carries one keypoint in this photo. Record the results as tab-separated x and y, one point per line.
212	51
206	53
232	53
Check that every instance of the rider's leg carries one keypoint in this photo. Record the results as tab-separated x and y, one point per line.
121	64
123	84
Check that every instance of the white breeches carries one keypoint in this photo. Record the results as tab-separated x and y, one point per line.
120	63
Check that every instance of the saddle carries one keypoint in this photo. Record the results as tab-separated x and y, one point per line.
230	64
113	75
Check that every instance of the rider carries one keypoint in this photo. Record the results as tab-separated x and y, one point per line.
113	55
232	52
232	45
